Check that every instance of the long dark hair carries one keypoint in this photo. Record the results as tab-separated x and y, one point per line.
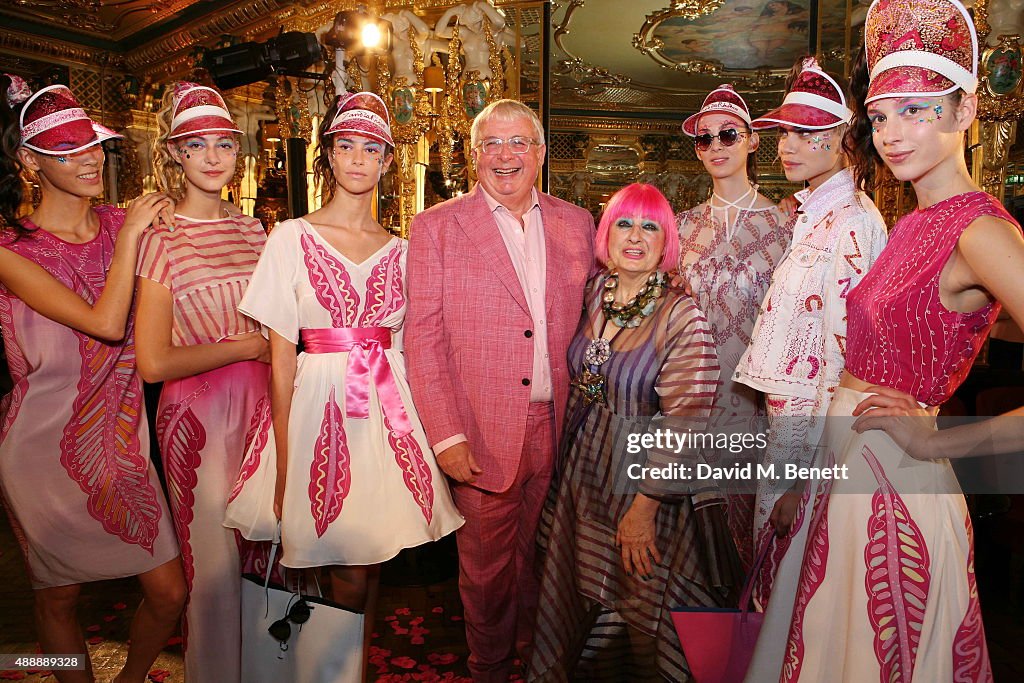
12	181
323	174
857	143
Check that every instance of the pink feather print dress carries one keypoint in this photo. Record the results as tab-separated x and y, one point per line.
887	589
75	473
362	483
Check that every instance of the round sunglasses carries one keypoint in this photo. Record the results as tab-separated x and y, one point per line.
727	136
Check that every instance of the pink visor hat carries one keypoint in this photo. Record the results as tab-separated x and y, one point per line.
199	110
362	113
920	47
815	102
722	100
53	122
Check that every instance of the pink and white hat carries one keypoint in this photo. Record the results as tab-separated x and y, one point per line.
814	102
362	113
722	100
920	47
53	122
199	110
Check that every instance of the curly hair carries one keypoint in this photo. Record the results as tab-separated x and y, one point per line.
13	187
169	175
857	143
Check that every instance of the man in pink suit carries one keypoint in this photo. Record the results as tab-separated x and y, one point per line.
496	283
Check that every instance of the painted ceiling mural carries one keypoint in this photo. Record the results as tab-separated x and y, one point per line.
744	34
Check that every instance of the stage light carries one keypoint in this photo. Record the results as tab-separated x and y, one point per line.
288	54
371	36
357	32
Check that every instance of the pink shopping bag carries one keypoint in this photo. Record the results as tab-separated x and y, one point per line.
719	642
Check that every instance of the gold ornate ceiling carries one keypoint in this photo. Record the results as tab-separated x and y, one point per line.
606	55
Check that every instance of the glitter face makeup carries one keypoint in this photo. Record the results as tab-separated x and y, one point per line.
62	160
808	155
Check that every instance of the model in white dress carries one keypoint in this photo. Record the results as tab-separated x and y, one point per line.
362	483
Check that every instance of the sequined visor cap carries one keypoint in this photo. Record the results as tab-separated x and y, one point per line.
815	102
920	47
199	110
52	122
722	100
362	114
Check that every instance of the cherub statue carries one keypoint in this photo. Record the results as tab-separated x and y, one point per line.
401	48
471	19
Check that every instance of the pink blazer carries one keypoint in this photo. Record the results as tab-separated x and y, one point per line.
467	336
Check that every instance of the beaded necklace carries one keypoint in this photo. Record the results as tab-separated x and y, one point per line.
628	315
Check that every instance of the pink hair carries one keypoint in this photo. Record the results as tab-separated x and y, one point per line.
645	201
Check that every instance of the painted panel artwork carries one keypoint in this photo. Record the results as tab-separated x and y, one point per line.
742	34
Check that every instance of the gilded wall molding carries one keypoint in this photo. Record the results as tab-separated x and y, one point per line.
31	47
594	123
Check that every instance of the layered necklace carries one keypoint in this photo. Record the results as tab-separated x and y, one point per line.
730	228
628	315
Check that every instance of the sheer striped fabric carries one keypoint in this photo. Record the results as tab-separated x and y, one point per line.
206	265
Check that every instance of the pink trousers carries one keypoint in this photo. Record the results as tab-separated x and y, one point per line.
498	581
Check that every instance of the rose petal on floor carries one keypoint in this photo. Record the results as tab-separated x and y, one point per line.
404	662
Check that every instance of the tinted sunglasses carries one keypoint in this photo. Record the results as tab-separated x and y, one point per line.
298	614
728	137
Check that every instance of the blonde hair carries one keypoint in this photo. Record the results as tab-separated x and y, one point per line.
169	175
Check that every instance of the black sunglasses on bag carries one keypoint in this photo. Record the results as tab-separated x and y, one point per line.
728	137
298	614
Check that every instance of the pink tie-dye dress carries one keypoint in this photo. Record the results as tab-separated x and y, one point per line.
83	498
206	422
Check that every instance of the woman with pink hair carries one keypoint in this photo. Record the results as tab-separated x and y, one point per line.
622	551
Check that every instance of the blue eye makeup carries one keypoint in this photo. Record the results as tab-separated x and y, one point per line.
913	108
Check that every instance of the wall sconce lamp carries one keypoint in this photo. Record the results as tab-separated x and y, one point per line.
433	79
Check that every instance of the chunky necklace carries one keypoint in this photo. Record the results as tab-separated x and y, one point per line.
631	313
726	205
590	381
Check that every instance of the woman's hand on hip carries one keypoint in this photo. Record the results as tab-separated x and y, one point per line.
900	416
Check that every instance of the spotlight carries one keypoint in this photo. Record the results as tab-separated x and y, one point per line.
356	32
288	53
371	35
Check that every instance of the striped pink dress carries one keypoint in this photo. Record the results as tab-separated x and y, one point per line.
83	499
665	366
205	423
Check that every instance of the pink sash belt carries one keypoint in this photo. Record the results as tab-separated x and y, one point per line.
366	361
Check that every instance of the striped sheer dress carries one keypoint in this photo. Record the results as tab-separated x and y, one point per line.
595	621
206	422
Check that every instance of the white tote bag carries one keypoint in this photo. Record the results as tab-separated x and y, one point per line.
327	648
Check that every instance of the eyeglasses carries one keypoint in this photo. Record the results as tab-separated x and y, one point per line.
298	614
727	136
517	145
